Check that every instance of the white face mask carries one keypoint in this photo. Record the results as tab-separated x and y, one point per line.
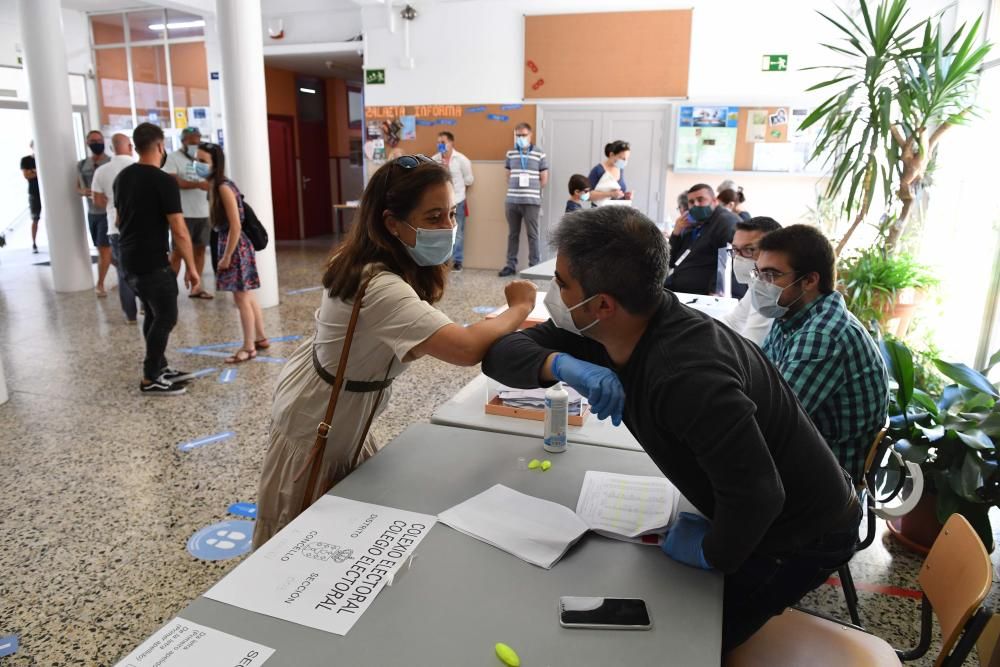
561	314
742	267
764	298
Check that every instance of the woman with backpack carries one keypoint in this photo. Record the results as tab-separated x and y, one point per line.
237	270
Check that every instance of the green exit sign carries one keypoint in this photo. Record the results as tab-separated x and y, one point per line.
776	63
374	76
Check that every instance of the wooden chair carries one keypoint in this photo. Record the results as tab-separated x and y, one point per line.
865	489
955	580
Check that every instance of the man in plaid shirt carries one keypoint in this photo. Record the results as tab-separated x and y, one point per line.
822	350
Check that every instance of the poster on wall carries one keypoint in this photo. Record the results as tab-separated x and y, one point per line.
706	138
756	126
409	130
709	116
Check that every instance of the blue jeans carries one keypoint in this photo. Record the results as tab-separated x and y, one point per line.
456	254
125	293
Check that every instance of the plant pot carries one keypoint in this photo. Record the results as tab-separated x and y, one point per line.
898	313
917	530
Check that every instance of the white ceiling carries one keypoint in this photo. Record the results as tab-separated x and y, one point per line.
342	65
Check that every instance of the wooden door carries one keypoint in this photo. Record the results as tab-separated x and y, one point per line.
284	195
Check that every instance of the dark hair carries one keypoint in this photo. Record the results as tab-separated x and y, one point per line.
578	182
398	190
682	201
701	186
615	147
145	135
732	196
600	242
759	224
449	135
97	132
808	251
217	212
522	126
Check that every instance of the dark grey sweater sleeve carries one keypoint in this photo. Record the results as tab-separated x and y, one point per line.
516	360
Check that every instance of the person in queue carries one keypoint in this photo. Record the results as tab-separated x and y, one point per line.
398	248
607	178
779	513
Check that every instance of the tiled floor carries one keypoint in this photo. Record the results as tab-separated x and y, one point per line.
96	502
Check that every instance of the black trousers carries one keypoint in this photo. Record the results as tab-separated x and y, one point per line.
158	293
764	586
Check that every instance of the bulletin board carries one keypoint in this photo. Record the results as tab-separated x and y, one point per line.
652	51
482	131
732	138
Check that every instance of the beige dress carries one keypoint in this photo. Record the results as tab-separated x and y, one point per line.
393	320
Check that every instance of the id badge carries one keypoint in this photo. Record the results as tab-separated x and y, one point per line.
523	180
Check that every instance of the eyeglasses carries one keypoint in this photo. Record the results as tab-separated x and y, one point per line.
747	252
768	275
411	161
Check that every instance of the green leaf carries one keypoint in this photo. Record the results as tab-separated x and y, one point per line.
966	377
910	451
924	400
899	361
969	478
994	360
948	502
932	433
976	439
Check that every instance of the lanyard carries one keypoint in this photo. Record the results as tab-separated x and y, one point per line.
524	164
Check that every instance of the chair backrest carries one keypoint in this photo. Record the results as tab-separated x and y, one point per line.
956	578
988	644
873	454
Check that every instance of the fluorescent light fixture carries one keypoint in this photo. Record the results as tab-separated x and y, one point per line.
178	25
307	90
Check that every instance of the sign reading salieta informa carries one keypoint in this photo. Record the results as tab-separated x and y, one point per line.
325	568
181	643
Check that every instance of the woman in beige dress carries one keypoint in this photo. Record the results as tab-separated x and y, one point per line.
401	241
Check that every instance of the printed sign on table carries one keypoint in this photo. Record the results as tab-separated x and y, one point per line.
327	566
181	643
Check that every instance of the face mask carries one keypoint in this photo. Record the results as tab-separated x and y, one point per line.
741	268
203	170
561	314
97	147
163	156
764	298
192	151
621	163
585	196
433	245
700	213
521	142
442	148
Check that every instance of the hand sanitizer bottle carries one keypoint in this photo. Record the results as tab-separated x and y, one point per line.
556	419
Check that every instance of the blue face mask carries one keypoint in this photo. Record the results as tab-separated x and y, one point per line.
192	151
521	142
203	170
621	163
442	148
433	246
585	196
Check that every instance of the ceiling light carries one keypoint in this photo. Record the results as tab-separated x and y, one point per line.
178	25
307	90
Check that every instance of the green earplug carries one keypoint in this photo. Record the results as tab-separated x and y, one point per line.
507	655
533	464
546	465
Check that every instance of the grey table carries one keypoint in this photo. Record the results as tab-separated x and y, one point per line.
462	596
465	410
544	271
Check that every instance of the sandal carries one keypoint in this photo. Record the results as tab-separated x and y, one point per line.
242	356
262	344
201	295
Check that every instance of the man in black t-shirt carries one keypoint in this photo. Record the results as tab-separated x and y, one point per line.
30	172
713	413
148	203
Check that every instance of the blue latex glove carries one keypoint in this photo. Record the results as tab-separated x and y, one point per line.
684	540
600	385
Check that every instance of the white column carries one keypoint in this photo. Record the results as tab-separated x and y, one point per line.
3	385
41	29
248	159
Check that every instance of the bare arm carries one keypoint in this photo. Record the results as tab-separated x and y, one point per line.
543	178
101	199
185	184
232	210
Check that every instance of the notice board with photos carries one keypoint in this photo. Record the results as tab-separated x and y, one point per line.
734	138
482	131
652	53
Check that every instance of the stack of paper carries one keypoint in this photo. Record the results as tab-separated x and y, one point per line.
626	507
530	528
535	398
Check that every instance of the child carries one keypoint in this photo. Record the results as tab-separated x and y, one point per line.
579	192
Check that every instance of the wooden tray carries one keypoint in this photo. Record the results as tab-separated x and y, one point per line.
496	407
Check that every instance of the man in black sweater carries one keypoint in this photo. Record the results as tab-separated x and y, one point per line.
710	410
695	242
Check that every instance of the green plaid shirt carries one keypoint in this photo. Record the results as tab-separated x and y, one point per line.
837	372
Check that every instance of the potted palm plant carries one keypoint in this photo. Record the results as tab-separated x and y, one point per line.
953	437
881	288
898	87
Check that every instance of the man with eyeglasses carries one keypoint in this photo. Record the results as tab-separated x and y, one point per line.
823	351
695	241
743	319
527	173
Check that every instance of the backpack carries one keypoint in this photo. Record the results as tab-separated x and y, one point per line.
252	227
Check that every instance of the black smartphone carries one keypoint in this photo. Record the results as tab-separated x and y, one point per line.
604	613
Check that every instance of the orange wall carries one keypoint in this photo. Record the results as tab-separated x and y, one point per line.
280	90
281	100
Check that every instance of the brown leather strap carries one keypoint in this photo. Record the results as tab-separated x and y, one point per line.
371	416
315	460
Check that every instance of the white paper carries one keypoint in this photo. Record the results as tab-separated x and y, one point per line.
535	530
627	506
182	643
539	314
773	157
326	567
713	306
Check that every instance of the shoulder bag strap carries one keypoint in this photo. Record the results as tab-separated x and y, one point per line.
315	460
